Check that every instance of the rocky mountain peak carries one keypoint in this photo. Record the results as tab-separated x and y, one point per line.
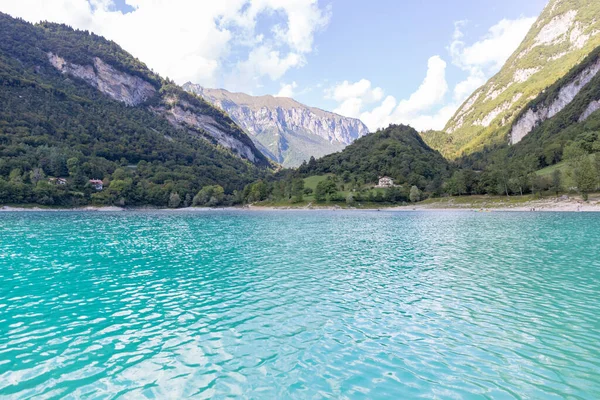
285	130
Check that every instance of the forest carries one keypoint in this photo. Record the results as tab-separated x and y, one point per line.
52	126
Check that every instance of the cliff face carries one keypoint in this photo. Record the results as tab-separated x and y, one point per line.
199	118
564	34
577	94
566	94
181	113
286	131
122	87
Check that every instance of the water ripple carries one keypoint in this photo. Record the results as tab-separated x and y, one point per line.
299	305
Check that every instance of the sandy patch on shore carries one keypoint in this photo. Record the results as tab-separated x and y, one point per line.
39	209
547	205
562	204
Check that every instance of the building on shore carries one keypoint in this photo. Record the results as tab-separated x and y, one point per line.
58	181
97	184
385	182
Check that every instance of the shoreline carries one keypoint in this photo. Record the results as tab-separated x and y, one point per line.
449	204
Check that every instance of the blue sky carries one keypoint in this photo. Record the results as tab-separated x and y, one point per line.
381	60
389	42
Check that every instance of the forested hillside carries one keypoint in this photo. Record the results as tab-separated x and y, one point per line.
546	138
76	106
562	37
569	137
352	175
397	151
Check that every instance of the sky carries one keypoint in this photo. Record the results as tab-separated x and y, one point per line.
383	61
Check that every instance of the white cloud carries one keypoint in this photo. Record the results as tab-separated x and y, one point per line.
380	116
485	57
361	89
304	18
429	107
353	96
493	49
287	90
262	61
191	39
431	92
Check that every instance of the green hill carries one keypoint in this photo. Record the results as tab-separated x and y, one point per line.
351	176
564	34
398	152
77	106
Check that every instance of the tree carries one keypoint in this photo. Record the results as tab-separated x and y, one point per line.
500	175
298	190
574	151
582	169
539	184
210	196
188	200
584	176
415	194
552	153
320	192
456	185
73	166
258	191
36	175
350	199
174	200
325	190
393	194
15	176
556	182
312	163
597	165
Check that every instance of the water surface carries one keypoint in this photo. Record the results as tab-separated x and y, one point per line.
373	305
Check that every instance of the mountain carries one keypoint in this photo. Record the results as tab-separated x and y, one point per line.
286	131
563	35
553	143
579	86
76	105
397	151
566	112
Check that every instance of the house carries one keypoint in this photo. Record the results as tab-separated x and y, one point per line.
97	184
58	181
385	182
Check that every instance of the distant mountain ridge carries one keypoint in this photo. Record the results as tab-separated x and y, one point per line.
562	37
285	130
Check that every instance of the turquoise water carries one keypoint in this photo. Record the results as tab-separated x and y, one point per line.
280	305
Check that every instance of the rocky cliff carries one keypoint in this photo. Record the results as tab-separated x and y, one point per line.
564	34
554	103
122	87
178	107
563	106
286	131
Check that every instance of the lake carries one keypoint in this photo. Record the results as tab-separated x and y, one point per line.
293	304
